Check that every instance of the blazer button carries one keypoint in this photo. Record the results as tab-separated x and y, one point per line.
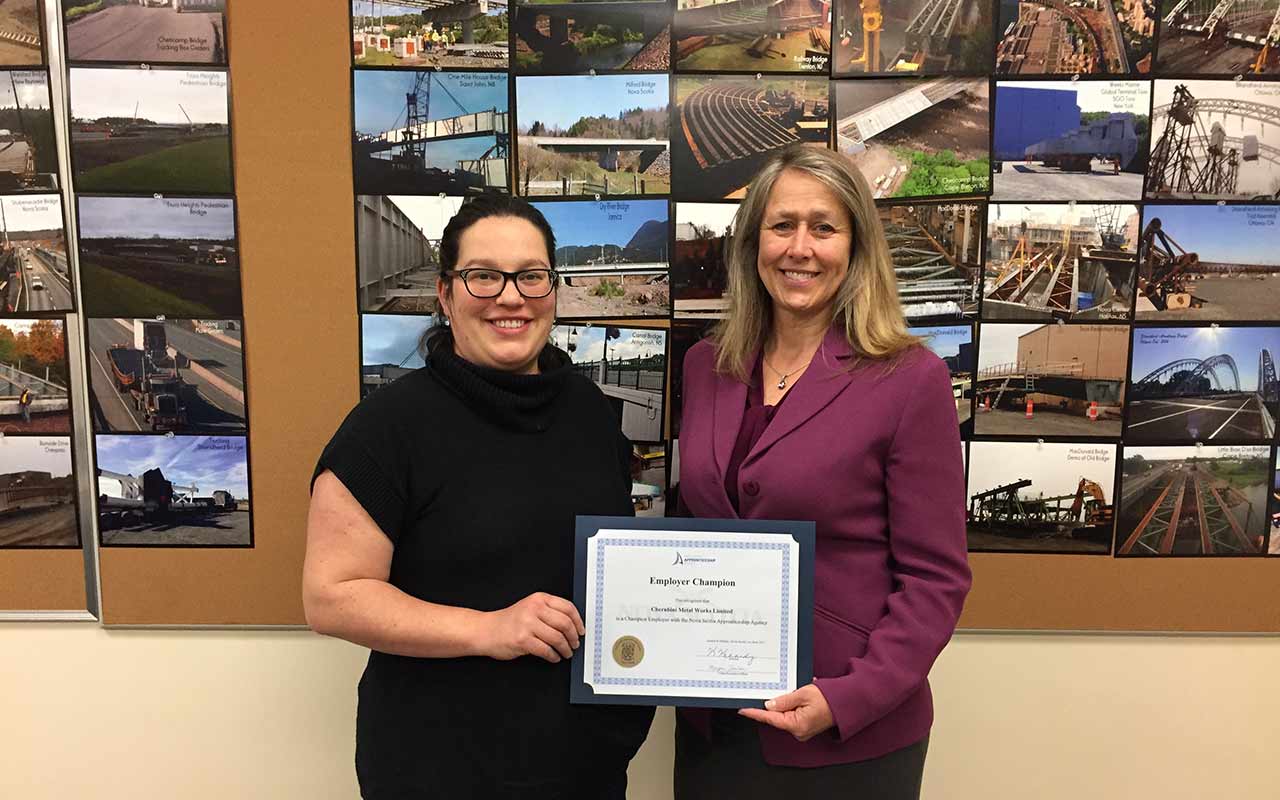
751	487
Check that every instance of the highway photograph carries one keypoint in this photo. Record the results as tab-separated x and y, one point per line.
1041	497
611	256
429	33
1215	384
33	254
753	35
1204	500
914	37
148	256
34	376
182	491
184	376
727	127
158	130
28	153
629	365
593	134
37	493
913	138
420	132
698	276
20	32
578	37
148	31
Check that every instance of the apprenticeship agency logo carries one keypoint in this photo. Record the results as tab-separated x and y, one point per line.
683	559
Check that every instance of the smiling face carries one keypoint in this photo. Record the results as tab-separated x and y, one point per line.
806	240
506	332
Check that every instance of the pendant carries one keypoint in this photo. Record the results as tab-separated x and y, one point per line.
782	383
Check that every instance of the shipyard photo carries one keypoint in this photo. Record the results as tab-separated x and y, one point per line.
37	493
33	255
429	33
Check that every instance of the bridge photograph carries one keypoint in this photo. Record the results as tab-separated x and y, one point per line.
1273	540
594	134
37	493
20	32
954	345
1084	140
698	276
149	31
143	256
1209	262
629	365
1058	261
1076	37
34	377
1219	37
936	250
1215	384
33	254
389	348
28	153
1205	500
429	33
1041	497
753	35
567	36
612	258
1058	380
150	130
913	138
727	127
398	251
912	37
183	491
1214	140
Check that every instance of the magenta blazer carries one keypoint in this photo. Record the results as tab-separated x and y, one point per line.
873	457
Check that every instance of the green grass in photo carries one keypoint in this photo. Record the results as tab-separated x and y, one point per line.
132	298
203	166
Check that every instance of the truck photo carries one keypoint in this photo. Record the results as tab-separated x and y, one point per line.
148	373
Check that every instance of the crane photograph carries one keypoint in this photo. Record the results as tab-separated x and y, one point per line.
389	348
915	37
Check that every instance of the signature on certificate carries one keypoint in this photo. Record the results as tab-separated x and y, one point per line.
731	661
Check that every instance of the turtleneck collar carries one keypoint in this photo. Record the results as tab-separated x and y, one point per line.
524	403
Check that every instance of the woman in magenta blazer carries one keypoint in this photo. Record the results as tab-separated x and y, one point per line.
811	401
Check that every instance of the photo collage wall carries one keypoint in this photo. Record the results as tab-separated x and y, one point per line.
1081	202
149	97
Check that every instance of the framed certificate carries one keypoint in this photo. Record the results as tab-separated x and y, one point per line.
692	612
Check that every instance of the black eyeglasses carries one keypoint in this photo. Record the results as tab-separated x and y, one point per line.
483	283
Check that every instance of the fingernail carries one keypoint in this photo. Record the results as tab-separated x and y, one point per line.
768	704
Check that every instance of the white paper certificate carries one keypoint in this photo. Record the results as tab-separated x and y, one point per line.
691	614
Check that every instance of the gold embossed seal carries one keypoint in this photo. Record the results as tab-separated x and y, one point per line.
628	651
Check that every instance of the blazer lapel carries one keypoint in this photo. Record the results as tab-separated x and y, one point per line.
731	406
828	374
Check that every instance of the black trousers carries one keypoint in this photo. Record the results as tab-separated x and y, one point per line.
733	766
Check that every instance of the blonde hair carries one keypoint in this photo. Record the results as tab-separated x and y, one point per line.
866	304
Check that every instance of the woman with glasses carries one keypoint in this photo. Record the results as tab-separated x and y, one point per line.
440	536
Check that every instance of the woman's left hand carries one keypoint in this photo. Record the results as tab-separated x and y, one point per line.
803	713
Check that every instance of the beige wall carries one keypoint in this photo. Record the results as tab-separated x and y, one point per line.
123	715
1102	350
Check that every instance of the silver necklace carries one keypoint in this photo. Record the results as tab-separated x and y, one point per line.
782	376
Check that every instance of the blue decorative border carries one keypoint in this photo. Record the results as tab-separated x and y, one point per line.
784	633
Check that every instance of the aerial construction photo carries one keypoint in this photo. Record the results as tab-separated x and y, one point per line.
698	275
1083	140
913	137
1083	37
33	255
429	33
179	491
28	150
389	348
1209	262
611	257
1041	497
21	35
629	365
398	251
1050	380
912	37
1204	500
1215	140
37	493
176	256
1219	37
148	31
420	132
1201	384
150	130
954	345
1058	261
557	36
753	35
183	376
34	377
936	250
593	134
727	127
